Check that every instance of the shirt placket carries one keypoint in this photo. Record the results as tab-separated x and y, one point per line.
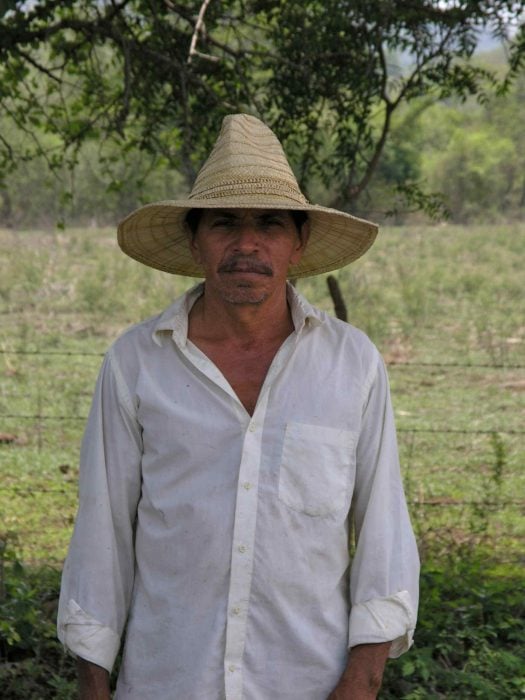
243	544
242	553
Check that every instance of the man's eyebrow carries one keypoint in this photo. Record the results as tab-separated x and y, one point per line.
225	213
264	213
258	214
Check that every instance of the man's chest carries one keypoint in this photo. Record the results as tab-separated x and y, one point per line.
295	450
244	369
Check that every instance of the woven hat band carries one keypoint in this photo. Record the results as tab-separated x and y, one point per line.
269	187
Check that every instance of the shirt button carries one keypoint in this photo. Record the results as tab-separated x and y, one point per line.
247	485
236	611
231	668
241	548
252	428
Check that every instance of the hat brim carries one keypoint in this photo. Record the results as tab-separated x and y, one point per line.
157	234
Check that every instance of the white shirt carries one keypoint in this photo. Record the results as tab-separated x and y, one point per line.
225	535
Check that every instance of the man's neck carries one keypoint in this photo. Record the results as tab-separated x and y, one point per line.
213	320
241	339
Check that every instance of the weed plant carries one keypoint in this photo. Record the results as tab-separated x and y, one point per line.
470	639
32	663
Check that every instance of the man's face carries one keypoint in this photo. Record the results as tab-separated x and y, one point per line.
246	253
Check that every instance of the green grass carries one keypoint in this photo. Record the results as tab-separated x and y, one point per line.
443	294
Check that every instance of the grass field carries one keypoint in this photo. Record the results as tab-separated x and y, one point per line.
445	305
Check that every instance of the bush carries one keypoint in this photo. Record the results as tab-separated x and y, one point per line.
469	643
33	665
470	639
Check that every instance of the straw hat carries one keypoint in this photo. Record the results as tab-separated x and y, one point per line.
247	168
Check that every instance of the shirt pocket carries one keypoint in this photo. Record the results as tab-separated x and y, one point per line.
317	468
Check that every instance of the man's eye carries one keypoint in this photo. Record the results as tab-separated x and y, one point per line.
222	221
271	221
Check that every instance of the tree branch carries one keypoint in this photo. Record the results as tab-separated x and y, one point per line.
198	28
37	65
354	191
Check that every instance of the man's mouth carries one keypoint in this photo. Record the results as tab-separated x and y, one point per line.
245	266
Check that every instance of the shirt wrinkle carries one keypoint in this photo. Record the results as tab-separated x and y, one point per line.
127	401
225	535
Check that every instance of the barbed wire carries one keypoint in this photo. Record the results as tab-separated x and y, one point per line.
64	353
459	431
38	416
390	363
455	365
393	363
68	492
21	490
441	502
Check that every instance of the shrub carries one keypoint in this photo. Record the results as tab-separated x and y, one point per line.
470	639
469	643
33	665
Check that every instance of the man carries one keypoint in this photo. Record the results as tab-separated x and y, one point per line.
234	443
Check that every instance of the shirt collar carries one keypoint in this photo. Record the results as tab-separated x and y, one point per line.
175	318
303	313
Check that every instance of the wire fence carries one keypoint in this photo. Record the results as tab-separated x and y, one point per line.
463	483
392	363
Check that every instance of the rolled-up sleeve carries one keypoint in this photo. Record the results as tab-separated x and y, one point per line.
97	578
384	580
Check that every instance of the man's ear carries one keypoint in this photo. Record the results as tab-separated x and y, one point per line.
302	240
304	234
192	244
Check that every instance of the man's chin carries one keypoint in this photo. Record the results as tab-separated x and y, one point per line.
244	295
246	289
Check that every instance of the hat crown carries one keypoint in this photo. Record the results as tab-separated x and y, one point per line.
247	160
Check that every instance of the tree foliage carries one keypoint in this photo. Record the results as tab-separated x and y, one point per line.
158	75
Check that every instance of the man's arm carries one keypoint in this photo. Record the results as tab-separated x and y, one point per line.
98	575
93	681
362	677
385	566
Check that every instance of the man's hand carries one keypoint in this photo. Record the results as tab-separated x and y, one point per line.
362	677
93	681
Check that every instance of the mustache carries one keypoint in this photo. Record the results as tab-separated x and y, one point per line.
243	263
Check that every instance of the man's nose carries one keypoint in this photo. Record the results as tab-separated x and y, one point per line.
246	237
